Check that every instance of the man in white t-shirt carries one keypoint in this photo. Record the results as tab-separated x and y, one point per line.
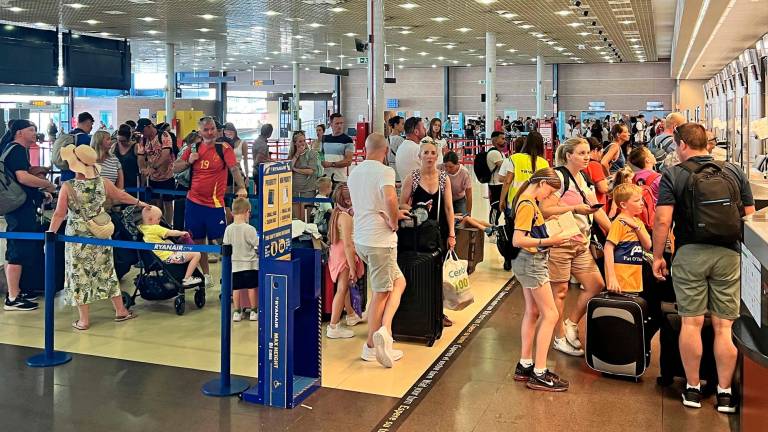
495	158
338	150
407	158
372	189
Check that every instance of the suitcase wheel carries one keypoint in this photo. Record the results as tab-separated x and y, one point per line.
430	342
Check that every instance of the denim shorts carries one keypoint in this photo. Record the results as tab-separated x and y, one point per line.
531	270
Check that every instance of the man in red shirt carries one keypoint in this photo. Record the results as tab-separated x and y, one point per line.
204	215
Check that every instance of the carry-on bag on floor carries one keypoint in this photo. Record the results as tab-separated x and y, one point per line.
420	315
670	364
617	341
470	246
327	292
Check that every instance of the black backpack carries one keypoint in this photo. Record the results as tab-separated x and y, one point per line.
713	202
482	172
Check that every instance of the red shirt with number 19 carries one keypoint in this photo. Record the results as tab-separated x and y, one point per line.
209	175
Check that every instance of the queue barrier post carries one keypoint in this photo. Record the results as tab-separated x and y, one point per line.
49	357
225	385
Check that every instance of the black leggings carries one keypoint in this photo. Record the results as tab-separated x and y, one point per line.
494	195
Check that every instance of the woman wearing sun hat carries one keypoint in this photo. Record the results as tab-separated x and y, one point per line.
89	270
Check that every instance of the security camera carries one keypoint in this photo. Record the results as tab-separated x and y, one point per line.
577	3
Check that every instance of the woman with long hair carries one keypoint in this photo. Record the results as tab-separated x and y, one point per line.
343	263
125	151
304	163
111	170
614	156
574	257
520	166
435	132
240	147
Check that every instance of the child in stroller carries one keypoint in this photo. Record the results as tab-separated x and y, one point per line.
155	233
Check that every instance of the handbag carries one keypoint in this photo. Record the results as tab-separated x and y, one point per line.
100	226
456	293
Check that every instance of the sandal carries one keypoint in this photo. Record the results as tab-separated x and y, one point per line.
122	318
447	322
77	326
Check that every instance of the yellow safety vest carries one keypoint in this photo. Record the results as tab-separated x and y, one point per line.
523	171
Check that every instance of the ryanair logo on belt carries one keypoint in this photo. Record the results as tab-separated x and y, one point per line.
169	247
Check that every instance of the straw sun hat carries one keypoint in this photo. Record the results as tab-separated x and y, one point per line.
81	159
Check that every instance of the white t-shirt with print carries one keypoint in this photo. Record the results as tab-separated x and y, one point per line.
494	156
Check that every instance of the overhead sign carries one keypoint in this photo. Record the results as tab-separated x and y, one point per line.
654	106
362	60
393	103
597	106
259	83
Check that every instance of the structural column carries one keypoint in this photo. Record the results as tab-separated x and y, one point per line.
490	82
539	86
376	65
170	86
296	105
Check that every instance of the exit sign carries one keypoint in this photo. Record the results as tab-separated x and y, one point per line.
259	83
362	60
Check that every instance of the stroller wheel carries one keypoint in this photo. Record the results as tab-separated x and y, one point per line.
127	300
180	305
200	298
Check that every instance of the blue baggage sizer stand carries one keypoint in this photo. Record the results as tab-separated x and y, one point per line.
289	365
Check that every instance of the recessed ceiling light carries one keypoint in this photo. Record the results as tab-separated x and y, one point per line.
271	13
402	48
257	28
627	22
575	24
337	9
331	44
560	48
92	22
423	53
585	34
486	2
204	30
298	37
533	59
207	16
152	32
434	65
267	58
439	19
294	19
511	50
526	26
342	56
563	12
202	40
500	44
551	42
464	29
15	9
105	34
350	34
450	46
568	54
441	58
633	40
429	40
406	32
148	19
40	24
469	64
316	25
402	59
114	12
76	5
408	5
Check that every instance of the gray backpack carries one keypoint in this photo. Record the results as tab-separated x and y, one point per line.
62	141
12	195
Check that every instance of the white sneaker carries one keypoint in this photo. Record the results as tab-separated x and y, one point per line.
237	316
562	345
369	354
354	319
338	332
208	281
192	280
382	343
254	316
572	334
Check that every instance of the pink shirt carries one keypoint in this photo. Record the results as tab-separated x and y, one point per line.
460	182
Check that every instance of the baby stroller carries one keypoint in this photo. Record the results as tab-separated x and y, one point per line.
156	280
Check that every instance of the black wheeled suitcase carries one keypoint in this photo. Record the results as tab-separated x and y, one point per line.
670	364
420	315
617	340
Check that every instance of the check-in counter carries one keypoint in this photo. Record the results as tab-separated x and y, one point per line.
750	331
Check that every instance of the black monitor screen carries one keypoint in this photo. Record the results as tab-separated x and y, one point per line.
92	62
28	56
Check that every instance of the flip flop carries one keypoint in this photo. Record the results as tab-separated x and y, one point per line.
77	326
130	316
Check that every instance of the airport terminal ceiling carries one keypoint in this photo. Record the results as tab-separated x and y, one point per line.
243	34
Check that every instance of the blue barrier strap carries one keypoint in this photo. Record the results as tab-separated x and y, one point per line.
312	200
228	195
214	249
22	236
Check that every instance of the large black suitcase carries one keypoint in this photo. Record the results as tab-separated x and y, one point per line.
669	357
617	340
420	315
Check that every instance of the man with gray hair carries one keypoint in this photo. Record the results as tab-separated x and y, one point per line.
261	148
372	189
663	144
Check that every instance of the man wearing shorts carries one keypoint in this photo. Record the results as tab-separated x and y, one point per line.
372	189
204	215
706	277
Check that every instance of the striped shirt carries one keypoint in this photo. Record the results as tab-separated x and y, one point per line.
110	167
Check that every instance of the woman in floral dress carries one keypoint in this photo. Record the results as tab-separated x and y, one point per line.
89	270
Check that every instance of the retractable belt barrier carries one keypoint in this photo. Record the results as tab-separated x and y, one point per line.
223	386
151	191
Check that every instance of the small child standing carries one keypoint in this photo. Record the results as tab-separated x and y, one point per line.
153	232
319	214
626	242
623	176
245	258
532	271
